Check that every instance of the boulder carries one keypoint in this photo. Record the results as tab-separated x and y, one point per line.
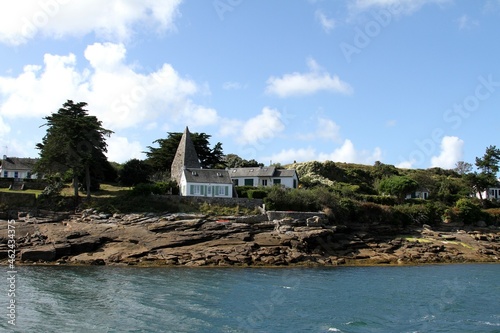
43	253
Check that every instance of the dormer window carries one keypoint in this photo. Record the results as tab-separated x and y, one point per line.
194	173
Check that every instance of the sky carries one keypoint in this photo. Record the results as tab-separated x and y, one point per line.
415	84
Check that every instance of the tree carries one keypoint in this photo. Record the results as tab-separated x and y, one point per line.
488	166
399	186
75	143
161	158
234	161
135	172
462	167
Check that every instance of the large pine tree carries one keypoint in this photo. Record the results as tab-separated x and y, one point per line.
75	142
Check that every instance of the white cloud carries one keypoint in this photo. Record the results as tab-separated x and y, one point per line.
121	150
261	128
345	153
348	153
328	129
4	128
112	20
297	84
465	22
328	24
406	164
451	153
231	85
117	94
325	129
287	156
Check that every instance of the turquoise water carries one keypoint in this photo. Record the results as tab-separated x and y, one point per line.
447	298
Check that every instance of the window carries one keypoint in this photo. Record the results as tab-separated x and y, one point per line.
235	182
16	174
6	174
264	182
195	189
209	191
295	183
248	182
276	181
221	190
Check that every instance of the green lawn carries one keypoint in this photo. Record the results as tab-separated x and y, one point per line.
36	192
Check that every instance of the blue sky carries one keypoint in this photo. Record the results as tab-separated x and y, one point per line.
415	83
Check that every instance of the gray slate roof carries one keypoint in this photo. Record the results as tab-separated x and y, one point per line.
261	172
213	176
252	172
17	163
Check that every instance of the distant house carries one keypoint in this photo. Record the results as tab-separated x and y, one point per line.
206	183
264	176
192	179
420	194
17	168
492	193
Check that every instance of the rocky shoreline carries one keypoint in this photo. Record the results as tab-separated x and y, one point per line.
93	238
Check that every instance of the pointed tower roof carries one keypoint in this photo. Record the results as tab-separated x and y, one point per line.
185	157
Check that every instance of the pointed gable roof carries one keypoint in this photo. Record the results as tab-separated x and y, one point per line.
185	156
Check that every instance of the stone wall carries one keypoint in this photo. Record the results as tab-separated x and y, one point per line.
32	184
231	202
18	199
302	216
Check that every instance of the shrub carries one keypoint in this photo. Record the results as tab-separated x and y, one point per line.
142	189
256	194
468	211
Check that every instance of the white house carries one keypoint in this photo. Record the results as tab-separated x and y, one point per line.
492	193
17	168
192	179
264	176
206	183
420	194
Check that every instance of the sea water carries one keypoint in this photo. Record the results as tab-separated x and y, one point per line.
431	298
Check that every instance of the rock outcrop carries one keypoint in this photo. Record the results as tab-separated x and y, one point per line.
95	238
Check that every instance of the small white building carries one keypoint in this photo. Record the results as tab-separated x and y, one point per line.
206	183
17	168
264	176
492	193
421	194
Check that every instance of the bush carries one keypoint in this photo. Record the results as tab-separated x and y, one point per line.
256	194
142	189
493	215
469	211
242	191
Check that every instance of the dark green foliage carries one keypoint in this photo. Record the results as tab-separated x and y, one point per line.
75	143
256	194
234	161
469	211
145	189
379	199
399	186
242	191
161	158
135	172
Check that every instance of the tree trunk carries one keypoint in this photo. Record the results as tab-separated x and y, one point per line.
87	180
75	189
